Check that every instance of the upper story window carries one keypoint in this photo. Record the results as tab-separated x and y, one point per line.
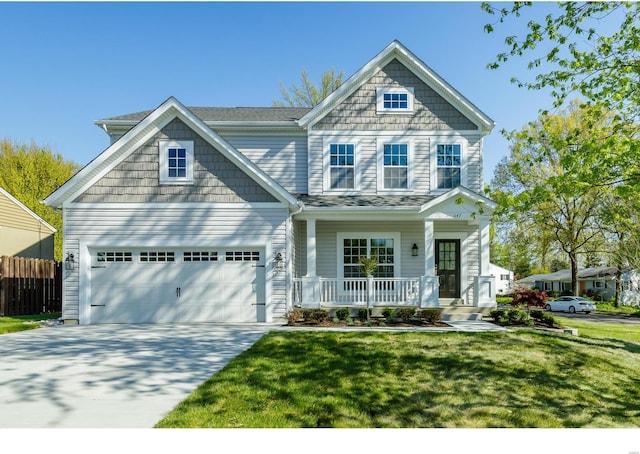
449	164
342	166
394	100
395	164
176	162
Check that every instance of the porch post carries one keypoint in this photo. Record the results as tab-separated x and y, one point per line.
429	282
483	244
311	282
311	248
484	284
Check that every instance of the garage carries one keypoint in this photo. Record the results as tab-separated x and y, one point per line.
144	285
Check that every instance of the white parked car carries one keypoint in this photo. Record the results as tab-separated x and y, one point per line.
571	304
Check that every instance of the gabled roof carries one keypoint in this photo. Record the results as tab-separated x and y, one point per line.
142	132
457	192
397	50
23	207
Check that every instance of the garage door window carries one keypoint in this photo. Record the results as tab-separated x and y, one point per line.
242	256
154	256
114	256
200	256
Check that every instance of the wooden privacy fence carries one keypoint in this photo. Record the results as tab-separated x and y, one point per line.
29	286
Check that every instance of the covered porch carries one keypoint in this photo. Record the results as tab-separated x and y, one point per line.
433	254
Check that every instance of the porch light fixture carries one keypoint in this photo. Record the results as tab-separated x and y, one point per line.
279	261
69	262
414	250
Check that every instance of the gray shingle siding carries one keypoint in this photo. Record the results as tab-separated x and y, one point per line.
431	111
136	179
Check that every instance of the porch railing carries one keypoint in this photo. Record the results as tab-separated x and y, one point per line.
355	291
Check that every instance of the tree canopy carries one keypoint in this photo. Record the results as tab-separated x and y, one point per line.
309	94
30	174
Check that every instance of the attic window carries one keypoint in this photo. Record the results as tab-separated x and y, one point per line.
176	162
394	100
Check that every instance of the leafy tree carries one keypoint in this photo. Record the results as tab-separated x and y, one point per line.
537	183
572	55
30	174
309	94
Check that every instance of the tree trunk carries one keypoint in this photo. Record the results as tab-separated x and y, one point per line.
575	285
616	301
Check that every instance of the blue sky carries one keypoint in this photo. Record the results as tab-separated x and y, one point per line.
64	65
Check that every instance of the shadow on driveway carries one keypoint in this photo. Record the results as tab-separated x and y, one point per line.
110	376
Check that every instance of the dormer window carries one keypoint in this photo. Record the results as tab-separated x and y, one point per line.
176	162
394	100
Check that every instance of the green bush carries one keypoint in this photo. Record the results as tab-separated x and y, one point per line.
363	314
388	312
342	313
431	316
315	315
511	317
405	313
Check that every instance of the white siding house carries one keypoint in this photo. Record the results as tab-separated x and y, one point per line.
241	214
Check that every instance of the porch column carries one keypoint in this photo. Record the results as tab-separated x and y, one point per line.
483	244
484	284
311	282
311	248
429	282
429	250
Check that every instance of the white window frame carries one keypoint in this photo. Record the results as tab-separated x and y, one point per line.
434	162
380	158
397	246
164	146
326	165
380	92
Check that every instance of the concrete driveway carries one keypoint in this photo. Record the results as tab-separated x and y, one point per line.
110	376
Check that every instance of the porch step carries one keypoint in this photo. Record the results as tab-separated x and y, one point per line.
461	316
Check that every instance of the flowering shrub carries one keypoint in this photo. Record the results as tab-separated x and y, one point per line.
525	297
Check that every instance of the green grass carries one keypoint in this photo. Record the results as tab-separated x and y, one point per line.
526	378
17	323
609	308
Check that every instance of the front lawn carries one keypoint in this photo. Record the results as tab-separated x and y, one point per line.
526	378
17	323
609	308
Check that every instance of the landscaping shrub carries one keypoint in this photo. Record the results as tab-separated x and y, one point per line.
525	297
431	316
342	313
363	314
294	316
405	313
388	312
511	317
315	315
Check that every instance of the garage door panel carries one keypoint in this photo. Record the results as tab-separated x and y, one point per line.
150	288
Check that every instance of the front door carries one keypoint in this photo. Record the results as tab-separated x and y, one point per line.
448	266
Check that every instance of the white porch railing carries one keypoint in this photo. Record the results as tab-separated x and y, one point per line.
356	291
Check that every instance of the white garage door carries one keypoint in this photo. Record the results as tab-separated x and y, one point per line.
169	286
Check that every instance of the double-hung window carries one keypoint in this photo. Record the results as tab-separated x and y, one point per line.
395	166
176	162
449	165
341	166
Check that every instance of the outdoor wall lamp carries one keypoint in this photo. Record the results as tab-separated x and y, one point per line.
69	261
414	250
279	261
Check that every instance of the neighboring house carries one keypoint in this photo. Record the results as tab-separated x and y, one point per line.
504	279
596	282
241	214
22	232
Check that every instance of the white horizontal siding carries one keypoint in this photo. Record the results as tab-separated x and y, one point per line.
126	226
283	158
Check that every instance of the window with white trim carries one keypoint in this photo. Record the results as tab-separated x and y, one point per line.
395	166
449	165
176	162
382	246
394	100
342	166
